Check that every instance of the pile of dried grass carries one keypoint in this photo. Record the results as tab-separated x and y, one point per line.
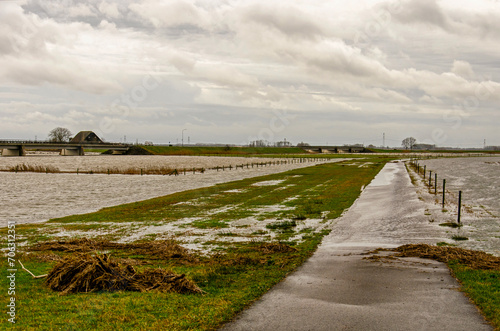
73	245
161	249
470	258
276	247
89	273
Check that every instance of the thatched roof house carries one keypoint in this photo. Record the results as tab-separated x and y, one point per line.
86	137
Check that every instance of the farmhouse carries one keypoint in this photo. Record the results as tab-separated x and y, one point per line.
86	137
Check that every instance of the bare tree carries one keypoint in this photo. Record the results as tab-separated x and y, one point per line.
60	135
408	143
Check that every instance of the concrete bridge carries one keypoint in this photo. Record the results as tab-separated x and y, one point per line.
19	147
334	149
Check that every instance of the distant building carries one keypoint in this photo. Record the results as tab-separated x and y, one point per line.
283	143
86	137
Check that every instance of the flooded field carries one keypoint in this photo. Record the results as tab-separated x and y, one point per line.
36	197
479	180
100	163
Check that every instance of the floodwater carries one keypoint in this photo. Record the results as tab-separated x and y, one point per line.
479	180
37	197
477	177
100	163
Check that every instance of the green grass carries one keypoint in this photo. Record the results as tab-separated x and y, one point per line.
444	244
177	150
483	288
282	226
288	152
206	224
233	278
455	151
459	238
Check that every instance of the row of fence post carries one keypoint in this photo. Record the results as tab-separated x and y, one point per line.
416	165
202	170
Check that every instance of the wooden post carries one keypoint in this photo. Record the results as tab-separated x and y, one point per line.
459	204
444	190
435	183
430	178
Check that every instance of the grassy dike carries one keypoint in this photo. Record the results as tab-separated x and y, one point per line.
294	209
223	151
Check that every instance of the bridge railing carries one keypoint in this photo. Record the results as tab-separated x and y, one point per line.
48	142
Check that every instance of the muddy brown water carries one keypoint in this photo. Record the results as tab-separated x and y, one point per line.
37	197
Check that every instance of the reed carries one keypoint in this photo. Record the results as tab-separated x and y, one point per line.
22	167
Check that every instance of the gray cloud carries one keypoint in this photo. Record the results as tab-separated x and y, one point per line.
224	68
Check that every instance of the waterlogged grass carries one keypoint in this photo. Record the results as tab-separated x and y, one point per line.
283	226
483	288
235	272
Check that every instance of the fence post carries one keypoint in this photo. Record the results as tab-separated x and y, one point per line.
425	167
444	190
459	204
430	178
435	183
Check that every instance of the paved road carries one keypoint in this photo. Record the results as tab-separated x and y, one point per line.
336	289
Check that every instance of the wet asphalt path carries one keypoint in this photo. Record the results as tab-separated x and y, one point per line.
336	289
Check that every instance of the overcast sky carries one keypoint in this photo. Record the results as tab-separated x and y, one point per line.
233	71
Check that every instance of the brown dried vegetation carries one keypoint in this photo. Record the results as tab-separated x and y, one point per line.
89	273
164	249
473	259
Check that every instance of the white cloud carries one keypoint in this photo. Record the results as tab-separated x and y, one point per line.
172	13
463	69
109	9
231	63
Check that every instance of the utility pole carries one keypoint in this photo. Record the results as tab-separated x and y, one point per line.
484	144
183	136
383	140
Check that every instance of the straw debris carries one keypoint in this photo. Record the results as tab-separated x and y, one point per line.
90	273
276	247
160	249
473	259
